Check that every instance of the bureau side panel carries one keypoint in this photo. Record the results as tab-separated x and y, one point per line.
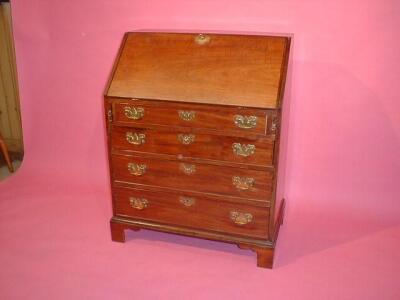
108	116
282	138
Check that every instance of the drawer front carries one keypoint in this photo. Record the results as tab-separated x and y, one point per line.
257	151
203	178
202	212
222	118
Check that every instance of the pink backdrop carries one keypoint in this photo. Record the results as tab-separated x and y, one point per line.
341	235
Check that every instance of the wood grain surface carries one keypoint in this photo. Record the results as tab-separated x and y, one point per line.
206	178
215	117
206	212
193	145
240	70
193	124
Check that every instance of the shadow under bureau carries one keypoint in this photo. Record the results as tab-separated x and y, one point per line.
193	124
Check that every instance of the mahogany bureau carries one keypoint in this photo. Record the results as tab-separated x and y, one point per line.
193	124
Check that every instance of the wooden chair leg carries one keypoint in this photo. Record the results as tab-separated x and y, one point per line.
3	147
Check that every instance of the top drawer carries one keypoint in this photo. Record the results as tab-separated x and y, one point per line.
224	118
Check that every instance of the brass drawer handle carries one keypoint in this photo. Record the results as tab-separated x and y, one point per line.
243	183
134	113
138	203
188	169
243	150
241	218
135	139
186	139
137	169
187	115
245	122
187	201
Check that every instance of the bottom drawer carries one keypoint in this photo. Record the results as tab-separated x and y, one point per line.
201	212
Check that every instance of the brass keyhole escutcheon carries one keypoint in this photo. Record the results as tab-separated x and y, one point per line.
187	115
187	201
186	139
188	169
202	39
